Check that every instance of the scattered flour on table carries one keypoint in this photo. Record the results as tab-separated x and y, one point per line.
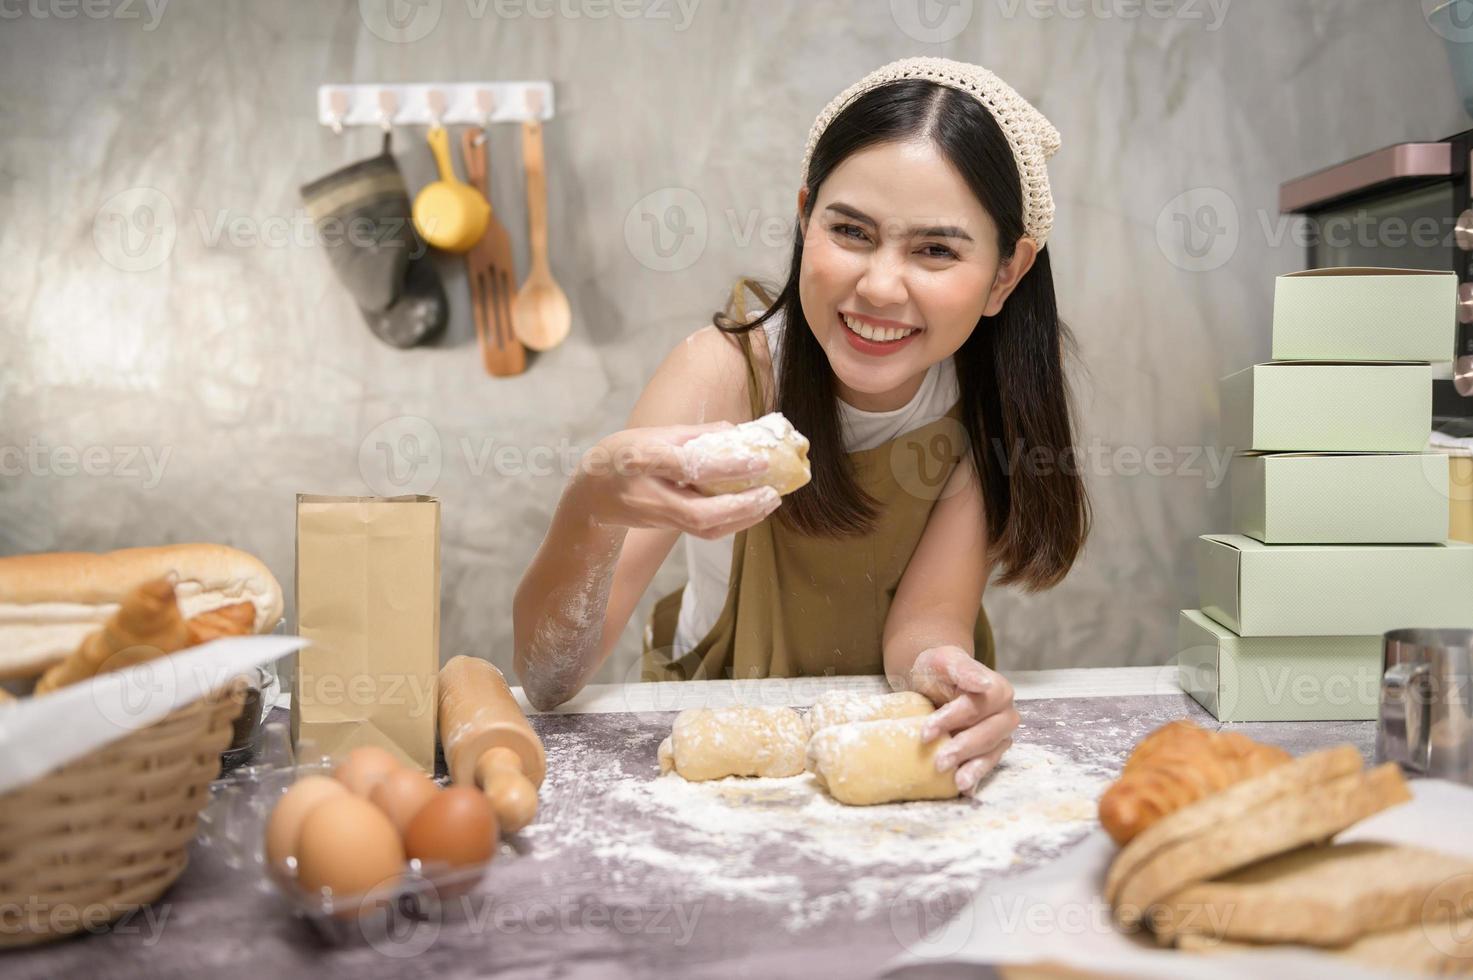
785	841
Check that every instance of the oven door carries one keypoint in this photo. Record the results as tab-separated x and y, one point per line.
1403	207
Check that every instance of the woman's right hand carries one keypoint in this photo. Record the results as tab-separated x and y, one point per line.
642	478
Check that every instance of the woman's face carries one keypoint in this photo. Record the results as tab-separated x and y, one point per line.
898	243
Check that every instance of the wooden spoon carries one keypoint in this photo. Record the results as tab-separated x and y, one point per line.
541	316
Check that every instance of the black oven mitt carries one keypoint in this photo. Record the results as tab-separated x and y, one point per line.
362	214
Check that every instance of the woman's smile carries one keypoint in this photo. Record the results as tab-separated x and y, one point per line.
871	335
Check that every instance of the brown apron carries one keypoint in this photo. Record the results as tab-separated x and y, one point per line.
800	605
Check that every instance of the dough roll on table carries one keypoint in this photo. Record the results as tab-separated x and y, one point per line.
712	743
883	761
842	707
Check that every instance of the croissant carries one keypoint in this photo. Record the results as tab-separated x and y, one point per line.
147	624
1175	765
234	620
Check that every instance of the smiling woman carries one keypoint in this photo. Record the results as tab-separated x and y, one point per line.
916	344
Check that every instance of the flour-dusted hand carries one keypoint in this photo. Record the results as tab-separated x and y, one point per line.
975	706
643	478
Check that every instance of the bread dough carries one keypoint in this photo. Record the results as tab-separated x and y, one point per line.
884	761
842	707
772	436
711	743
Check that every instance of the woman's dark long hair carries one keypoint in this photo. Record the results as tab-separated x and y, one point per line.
1014	395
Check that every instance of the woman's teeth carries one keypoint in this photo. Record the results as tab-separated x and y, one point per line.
878	334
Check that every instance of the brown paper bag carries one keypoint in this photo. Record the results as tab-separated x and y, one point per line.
368	598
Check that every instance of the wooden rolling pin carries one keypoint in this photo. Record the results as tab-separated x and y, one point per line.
488	742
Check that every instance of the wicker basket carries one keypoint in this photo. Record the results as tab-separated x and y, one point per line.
99	837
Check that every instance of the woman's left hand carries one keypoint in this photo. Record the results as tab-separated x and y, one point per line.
974	705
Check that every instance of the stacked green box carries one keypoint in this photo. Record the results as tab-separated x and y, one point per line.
1340	515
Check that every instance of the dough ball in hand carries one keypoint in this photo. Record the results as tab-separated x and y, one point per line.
772	436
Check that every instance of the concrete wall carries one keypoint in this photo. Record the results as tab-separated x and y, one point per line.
208	366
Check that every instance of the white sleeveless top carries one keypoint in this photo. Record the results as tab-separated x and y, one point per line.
708	563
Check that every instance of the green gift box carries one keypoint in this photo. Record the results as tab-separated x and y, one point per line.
1277	678
1257	589
1302	406
1327	498
1361	314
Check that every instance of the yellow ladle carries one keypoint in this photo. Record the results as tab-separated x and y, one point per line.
448	214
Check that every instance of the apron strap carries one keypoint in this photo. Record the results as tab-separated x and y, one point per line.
736	309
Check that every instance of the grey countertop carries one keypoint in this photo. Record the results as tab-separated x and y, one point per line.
624	874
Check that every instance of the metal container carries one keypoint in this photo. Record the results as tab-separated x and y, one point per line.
1426	721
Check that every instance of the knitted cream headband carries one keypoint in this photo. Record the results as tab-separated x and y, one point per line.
1032	138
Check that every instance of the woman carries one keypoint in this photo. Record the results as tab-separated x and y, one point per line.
916	343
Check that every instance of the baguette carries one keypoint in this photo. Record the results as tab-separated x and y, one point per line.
50	603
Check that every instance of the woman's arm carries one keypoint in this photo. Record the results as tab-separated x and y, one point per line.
621	514
928	640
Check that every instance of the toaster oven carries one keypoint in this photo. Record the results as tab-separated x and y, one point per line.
1406	206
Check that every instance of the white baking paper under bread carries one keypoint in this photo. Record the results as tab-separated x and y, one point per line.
39	734
1058	912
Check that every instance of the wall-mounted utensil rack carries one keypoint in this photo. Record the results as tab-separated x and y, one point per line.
433	103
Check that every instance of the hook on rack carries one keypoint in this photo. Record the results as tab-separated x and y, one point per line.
337	109
435	100
388	107
533	99
485	106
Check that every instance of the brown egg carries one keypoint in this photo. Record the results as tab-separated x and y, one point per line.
365	766
513	797
284	828
401	793
457	827
349	846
